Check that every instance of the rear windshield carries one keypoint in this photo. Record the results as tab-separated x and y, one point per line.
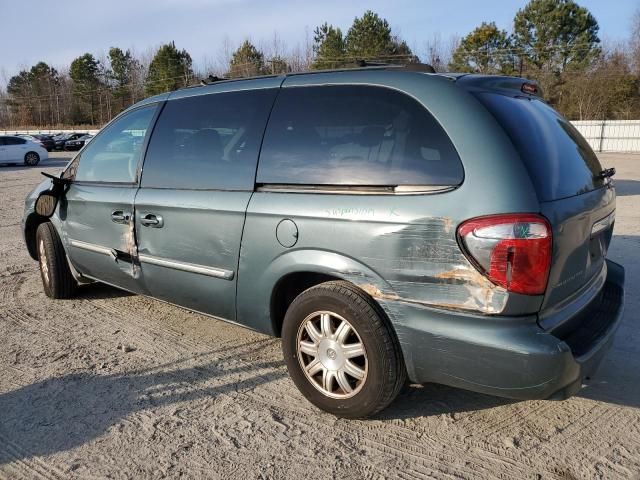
559	160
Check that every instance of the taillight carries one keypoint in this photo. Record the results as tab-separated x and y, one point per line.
513	251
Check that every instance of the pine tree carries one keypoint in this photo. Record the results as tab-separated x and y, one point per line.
169	70
246	61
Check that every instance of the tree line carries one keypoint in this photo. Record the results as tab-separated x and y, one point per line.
554	42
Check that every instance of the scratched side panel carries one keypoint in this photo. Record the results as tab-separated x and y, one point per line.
394	247
424	264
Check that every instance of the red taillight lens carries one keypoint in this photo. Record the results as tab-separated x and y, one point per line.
513	251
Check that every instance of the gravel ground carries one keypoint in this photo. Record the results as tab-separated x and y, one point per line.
111	385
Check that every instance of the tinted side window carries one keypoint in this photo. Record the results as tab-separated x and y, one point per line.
14	141
208	141
355	135
113	155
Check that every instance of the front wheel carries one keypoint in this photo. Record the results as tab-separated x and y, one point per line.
57	279
340	351
31	159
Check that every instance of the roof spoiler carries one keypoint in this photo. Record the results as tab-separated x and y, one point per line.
508	85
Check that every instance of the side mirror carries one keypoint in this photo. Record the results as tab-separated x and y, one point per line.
46	203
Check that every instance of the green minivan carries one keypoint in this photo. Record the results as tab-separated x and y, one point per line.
391	225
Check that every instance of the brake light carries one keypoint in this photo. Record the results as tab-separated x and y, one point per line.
513	251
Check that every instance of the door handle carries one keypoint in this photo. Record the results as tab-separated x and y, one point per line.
151	220
120	216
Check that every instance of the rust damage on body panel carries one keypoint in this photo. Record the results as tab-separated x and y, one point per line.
423	264
478	299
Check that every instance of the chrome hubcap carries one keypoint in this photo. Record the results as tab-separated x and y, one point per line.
44	267
332	355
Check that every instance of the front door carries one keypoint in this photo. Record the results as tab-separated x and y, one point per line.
197	180
97	211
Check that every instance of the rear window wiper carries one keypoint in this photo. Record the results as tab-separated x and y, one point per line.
606	173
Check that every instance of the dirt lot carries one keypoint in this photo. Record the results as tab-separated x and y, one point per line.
111	385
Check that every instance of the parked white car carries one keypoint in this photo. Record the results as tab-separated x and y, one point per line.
14	149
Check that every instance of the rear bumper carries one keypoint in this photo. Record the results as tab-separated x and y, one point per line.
510	357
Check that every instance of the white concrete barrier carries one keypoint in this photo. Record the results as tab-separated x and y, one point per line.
46	132
611	135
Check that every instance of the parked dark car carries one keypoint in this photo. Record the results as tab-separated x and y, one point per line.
78	143
387	224
61	140
47	141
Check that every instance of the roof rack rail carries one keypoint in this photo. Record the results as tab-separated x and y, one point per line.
212	79
410	66
369	63
419	67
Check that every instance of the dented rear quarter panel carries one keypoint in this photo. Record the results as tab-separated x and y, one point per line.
398	248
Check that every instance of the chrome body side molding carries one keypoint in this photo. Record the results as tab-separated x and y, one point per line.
162	262
357	190
92	247
187	267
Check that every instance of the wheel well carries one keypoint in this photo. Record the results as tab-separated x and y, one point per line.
287	289
31	225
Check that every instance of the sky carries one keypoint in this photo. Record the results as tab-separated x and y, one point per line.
57	32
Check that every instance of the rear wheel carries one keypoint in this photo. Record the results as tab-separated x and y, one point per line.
31	159
340	351
57	280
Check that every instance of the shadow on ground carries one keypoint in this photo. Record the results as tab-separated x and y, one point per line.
62	413
432	399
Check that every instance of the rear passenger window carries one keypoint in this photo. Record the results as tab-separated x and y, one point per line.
355	135
208	141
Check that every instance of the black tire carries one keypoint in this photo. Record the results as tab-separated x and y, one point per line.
385	369
57	280
31	159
